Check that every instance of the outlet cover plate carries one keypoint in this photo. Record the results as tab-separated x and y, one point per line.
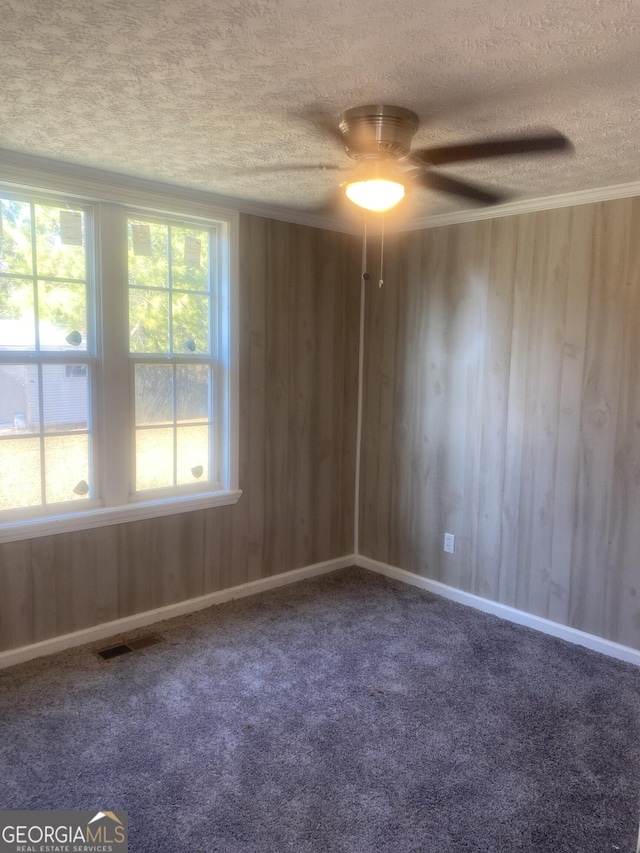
449	543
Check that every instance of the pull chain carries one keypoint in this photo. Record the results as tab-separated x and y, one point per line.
364	250
381	282
365	274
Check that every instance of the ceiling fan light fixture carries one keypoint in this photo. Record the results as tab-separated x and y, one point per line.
375	194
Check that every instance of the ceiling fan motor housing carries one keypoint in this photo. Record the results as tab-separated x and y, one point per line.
378	129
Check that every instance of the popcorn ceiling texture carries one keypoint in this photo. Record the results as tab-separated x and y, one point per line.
207	94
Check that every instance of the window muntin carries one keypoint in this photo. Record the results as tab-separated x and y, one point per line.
45	326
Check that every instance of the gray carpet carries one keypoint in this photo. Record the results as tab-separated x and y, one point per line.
346	713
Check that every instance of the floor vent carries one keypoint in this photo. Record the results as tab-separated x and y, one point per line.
114	652
131	646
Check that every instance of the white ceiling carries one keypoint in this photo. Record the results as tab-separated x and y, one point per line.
206	94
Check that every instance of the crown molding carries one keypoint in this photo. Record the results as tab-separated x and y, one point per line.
528	205
20	171
26	170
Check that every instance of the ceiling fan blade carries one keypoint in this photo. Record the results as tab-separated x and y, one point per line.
445	184
492	148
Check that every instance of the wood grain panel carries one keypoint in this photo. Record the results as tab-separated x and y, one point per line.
467	352
253	436
160	561
278	362
515	448
391	300
430	493
410	374
300	310
325	375
495	391
306	319
217	561
74	582
16	595
346	337
372	493
598	524
564	543
542	406
527	443
624	584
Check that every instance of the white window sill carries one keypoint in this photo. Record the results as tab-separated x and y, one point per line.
105	516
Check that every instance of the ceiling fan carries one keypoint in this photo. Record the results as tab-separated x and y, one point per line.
379	136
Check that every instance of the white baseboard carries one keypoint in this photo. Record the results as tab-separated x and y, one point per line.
149	617
511	614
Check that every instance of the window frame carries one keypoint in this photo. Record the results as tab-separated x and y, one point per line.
112	413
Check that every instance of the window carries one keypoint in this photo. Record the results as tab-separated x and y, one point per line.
45	331
173	346
103	420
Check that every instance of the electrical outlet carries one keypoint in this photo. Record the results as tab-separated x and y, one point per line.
449	542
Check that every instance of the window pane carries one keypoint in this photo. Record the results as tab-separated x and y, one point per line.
58	232
148	254
19	473
170	306
55	321
190	315
15	242
148	321
19	405
154	458
154	394
192	392
189	258
63	316
17	320
65	396
193	454
66	468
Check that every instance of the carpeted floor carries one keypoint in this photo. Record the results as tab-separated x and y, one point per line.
347	713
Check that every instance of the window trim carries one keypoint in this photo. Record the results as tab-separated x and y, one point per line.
116	505
105	516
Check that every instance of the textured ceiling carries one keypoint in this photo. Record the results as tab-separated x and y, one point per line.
207	94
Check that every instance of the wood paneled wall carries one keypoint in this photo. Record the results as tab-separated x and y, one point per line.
502	404
299	323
